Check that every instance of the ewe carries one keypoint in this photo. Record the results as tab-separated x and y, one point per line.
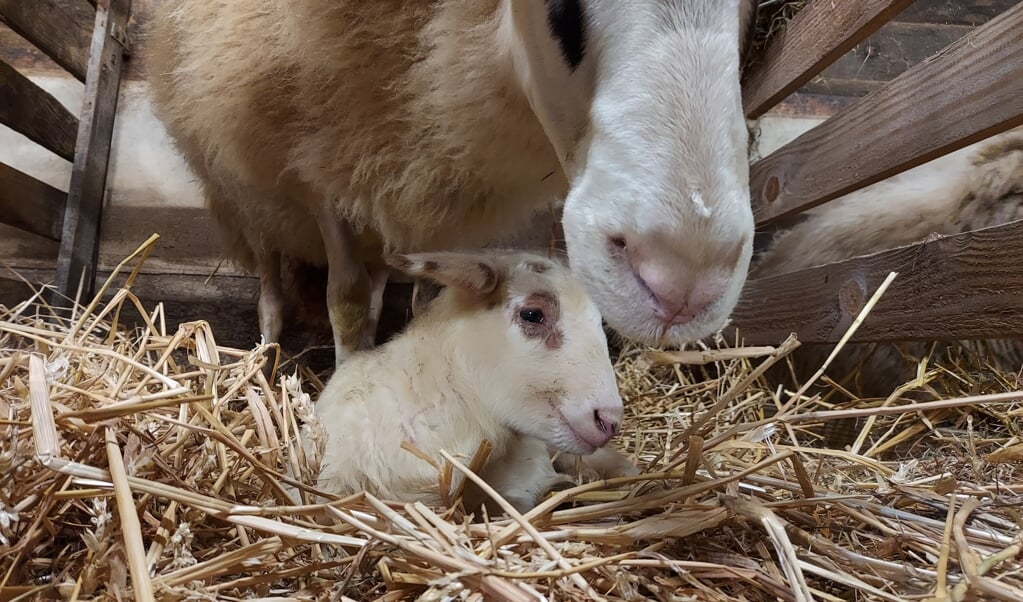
333	131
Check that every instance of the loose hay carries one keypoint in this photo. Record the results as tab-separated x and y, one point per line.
153	464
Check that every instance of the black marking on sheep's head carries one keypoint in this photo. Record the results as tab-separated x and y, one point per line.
568	26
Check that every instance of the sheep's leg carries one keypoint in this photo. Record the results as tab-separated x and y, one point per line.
524	475
378	282
348	285
271	297
605	463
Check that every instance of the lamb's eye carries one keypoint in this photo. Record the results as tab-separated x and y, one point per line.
532	315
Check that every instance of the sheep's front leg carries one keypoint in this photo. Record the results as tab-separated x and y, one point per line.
524	475
270	306
348	285
605	463
378	283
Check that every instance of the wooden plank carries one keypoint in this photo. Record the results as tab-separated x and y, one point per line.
61	29
967	92
33	112
29	204
966	286
894	50
815	38
955	12
76	260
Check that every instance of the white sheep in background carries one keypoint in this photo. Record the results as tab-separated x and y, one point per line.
331	131
511	351
977	187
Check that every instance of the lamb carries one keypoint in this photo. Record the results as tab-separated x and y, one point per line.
511	350
334	131
978	187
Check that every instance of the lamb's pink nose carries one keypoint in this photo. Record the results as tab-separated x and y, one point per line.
605	424
678	297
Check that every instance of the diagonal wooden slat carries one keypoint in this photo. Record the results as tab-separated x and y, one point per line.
77	257
965	93
33	112
816	37
29	204
966	286
61	29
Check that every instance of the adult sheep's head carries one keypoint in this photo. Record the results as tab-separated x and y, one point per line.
523	330
641	101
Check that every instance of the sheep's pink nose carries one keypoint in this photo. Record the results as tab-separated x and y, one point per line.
678	297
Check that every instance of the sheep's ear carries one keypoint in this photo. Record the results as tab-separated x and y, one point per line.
474	274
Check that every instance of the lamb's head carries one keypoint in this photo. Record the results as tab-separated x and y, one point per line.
641	101
524	330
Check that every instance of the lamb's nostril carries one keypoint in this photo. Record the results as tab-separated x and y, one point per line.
608	426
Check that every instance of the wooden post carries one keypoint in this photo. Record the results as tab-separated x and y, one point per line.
76	260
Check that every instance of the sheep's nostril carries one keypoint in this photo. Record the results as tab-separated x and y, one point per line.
601	423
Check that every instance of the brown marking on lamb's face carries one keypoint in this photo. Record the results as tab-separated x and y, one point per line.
430	266
539	317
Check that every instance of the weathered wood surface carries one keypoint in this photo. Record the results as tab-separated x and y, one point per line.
29	204
817	36
955	12
969	91
33	112
78	253
60	28
967	286
890	52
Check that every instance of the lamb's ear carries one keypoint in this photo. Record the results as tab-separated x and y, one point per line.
471	273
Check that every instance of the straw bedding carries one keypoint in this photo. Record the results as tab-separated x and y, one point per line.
152	463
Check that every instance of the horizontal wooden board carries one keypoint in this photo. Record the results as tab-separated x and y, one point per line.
817	36
967	286
893	50
955	12
60	28
33	112
29	204
967	92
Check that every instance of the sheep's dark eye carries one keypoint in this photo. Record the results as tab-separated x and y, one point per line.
532	315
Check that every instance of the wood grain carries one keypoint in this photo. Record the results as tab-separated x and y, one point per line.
60	28
966	286
29	204
955	12
77	258
816	37
893	50
33	112
965	93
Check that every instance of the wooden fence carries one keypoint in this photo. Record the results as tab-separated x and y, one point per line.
88	39
957	287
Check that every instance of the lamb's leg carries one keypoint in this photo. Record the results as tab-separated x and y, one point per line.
524	475
378	283
605	463
348	285
271	297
